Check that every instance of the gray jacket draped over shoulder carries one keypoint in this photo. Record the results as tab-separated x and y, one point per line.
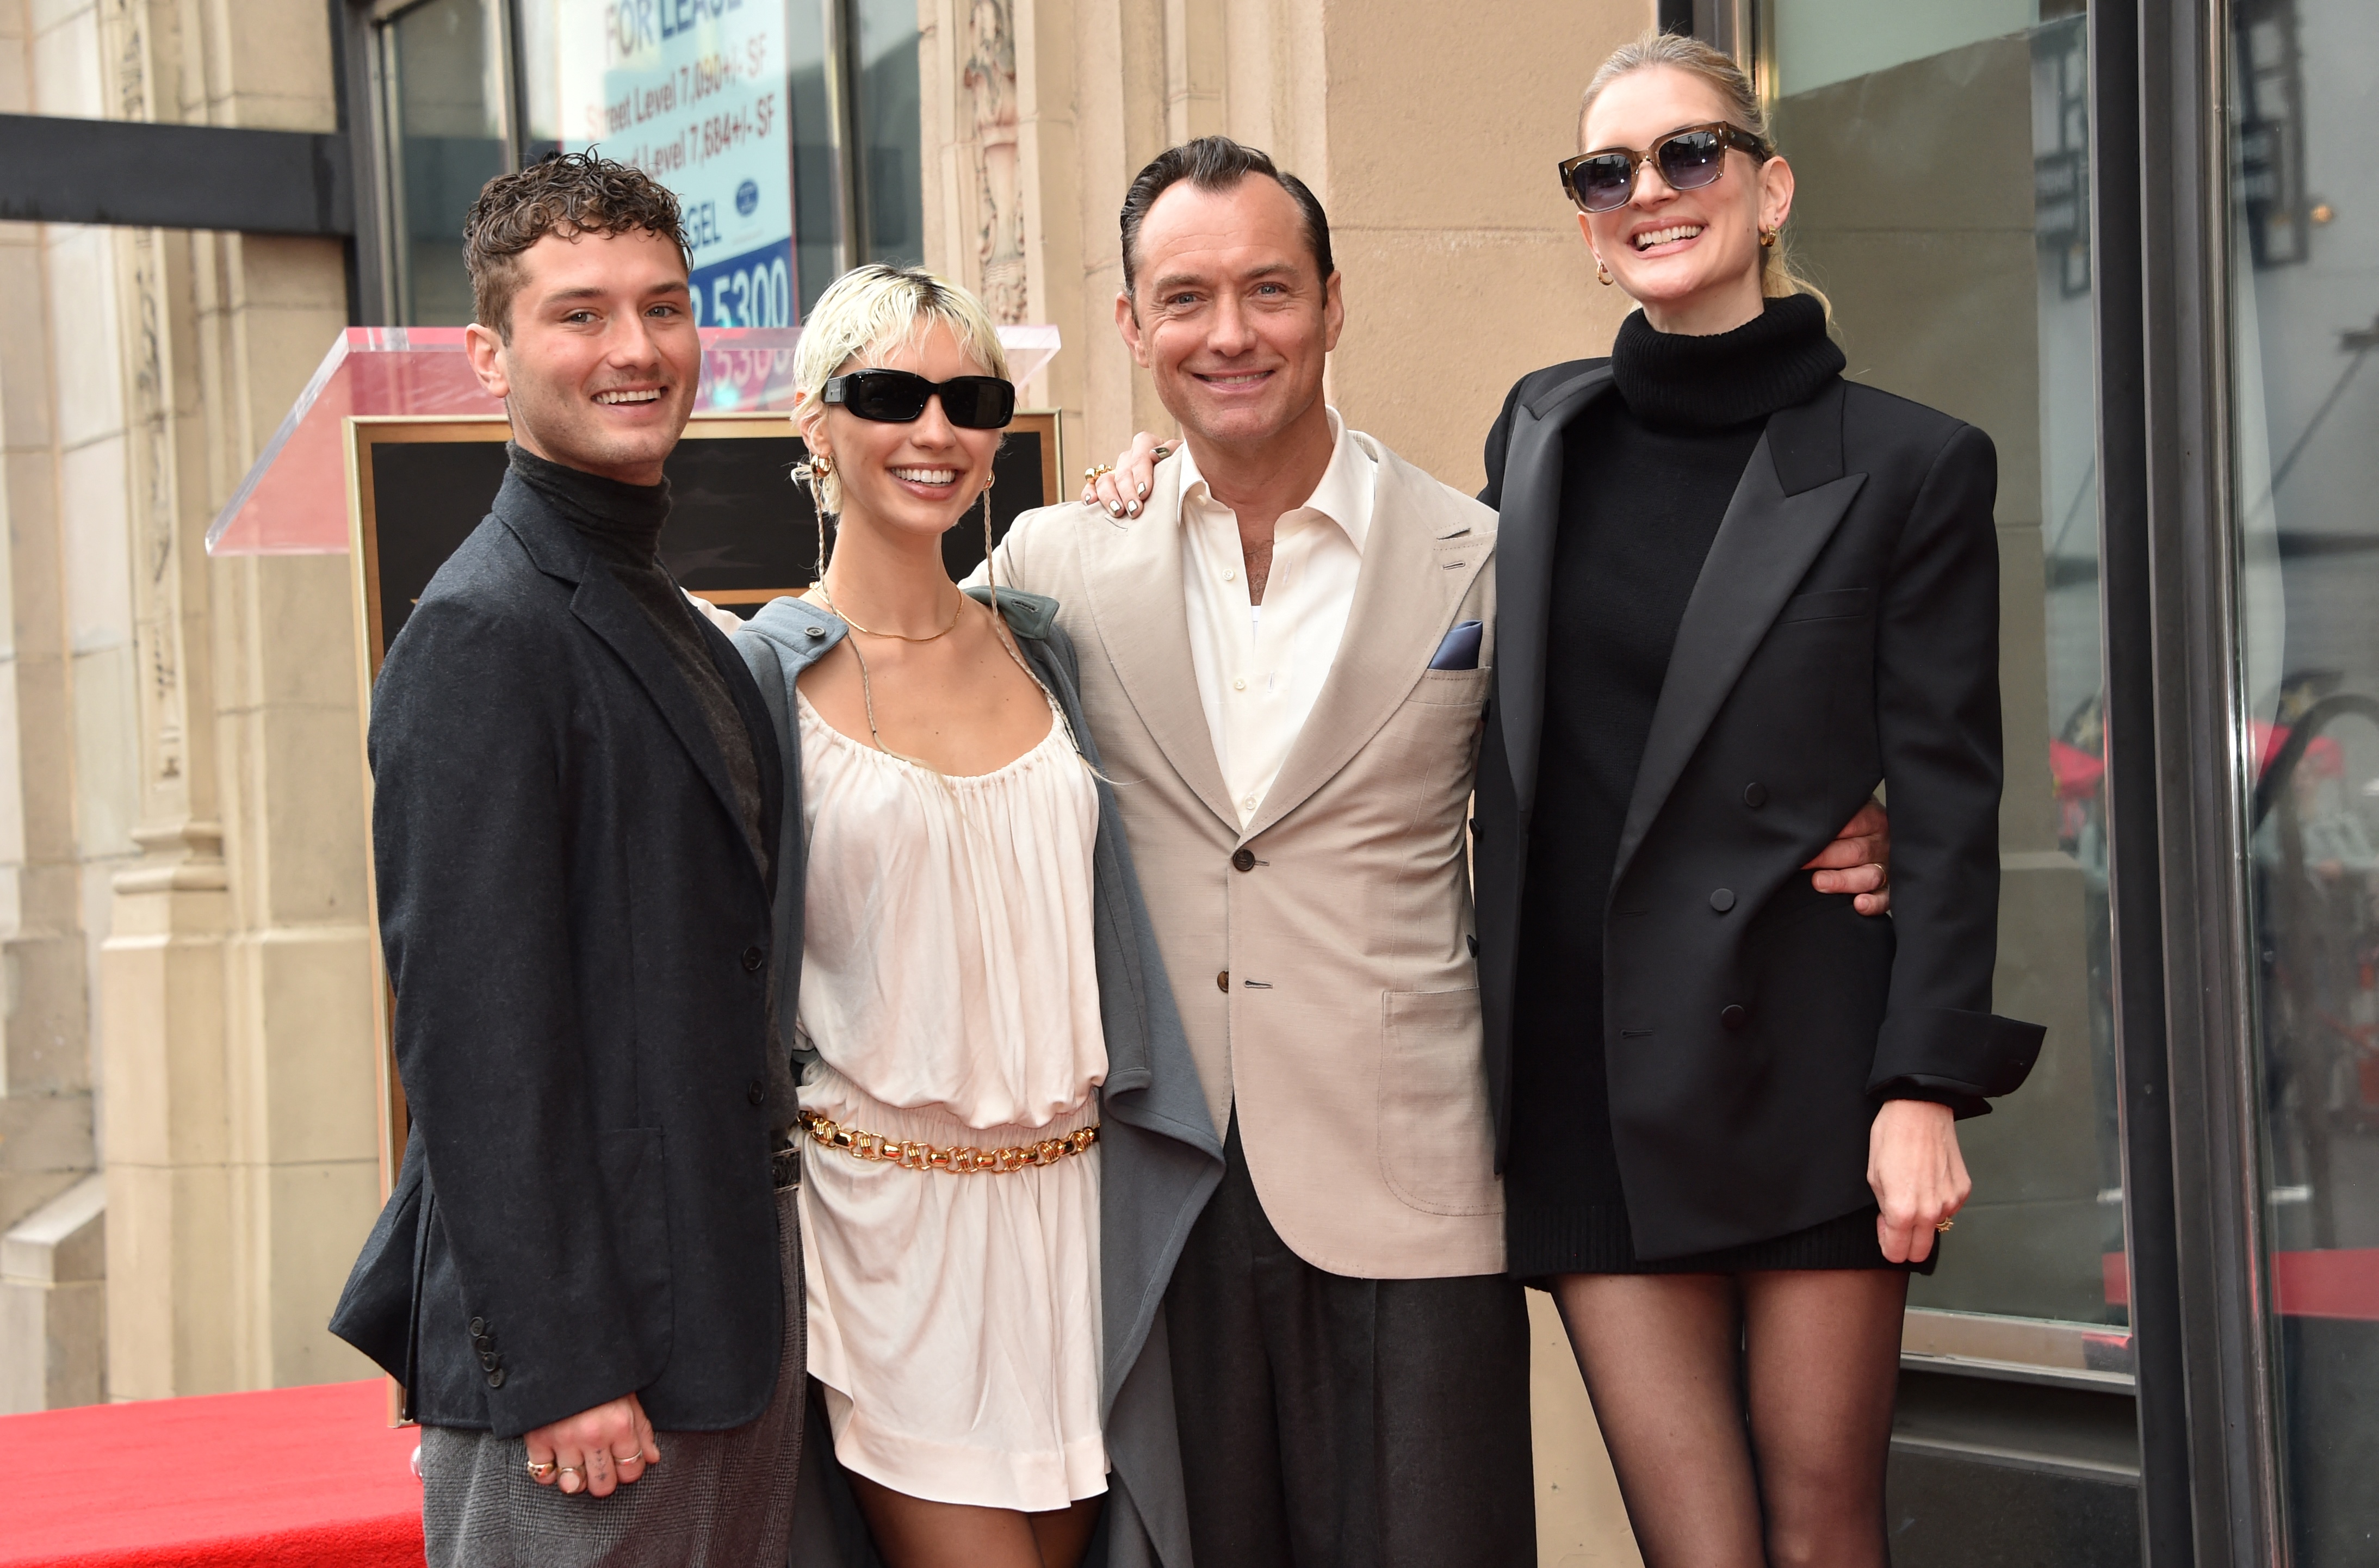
1159	1153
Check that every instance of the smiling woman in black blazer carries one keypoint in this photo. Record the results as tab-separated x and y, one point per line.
1737	593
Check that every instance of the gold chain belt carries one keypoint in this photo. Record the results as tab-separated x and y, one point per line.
958	1161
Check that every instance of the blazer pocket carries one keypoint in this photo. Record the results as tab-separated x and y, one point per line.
1437	1137
1453	688
1830	604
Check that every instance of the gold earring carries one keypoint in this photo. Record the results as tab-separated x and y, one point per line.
1768	239
1601	271
809	472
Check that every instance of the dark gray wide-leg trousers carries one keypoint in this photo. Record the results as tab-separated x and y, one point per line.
1330	1422
717	1499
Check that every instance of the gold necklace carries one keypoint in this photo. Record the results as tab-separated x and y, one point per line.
828	594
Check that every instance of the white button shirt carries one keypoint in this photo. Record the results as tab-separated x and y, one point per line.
1261	667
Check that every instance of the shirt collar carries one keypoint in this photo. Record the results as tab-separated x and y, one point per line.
1344	496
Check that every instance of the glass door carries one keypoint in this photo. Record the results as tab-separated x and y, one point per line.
2304	321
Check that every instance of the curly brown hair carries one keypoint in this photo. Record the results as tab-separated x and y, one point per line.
564	193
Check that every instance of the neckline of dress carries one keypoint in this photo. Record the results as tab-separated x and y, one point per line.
808	710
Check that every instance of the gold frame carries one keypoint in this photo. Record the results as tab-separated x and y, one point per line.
361	434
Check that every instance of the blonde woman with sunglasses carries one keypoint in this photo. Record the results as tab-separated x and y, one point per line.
1003	1137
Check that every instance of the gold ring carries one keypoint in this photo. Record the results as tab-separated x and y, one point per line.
1945	1224
635	1459
571	1470
540	1469
1091	474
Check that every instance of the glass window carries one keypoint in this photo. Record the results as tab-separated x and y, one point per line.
789	129
890	146
1941	148
441	69
2304	297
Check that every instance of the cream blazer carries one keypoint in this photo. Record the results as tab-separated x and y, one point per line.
1323	959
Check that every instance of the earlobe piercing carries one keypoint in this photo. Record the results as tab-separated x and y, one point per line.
1601	271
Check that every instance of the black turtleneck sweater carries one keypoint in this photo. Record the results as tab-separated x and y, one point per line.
622	523
1646	477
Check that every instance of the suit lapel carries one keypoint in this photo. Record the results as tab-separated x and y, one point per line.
606	607
765	757
1523	573
1765	546
1410	582
1132	572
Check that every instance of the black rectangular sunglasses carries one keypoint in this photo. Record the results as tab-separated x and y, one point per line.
895	397
1690	159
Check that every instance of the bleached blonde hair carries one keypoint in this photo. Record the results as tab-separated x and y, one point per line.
1740	103
875	308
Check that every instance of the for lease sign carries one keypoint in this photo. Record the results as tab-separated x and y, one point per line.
694	93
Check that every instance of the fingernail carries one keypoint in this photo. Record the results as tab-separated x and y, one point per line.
1143	489
1135	509
1117	508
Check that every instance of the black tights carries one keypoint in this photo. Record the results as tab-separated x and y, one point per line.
1749	1415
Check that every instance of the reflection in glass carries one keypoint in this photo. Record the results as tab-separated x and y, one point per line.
1941	148
818	214
891	151
2304	290
442	66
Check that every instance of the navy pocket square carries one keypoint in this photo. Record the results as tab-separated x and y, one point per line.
1460	649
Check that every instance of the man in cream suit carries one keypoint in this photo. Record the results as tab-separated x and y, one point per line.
1349	1365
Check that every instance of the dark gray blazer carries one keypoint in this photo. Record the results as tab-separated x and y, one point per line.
1160	1157
1845	630
577	931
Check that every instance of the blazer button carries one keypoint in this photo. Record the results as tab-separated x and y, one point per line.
757	1092
1754	795
1733	1017
478	1327
1243	859
1223	981
753	959
1722	900
488	1359
496	1378
486	1341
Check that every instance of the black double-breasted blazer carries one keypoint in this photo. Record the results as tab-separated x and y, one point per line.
578	931
1843	632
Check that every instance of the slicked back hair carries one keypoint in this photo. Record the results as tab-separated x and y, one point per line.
566	193
1216	163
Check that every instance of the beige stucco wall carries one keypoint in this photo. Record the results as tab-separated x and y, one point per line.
1429	133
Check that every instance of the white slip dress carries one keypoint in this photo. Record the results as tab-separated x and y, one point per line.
950	988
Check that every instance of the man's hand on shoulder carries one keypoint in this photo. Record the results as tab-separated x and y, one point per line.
1858	861
595	1451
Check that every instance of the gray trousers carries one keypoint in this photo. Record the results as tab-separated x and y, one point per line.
717	1499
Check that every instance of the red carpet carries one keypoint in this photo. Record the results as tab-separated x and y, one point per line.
310	1477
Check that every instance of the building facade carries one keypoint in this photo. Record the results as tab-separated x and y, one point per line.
2122	238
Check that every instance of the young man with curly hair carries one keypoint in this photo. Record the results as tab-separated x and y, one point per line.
588	1276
